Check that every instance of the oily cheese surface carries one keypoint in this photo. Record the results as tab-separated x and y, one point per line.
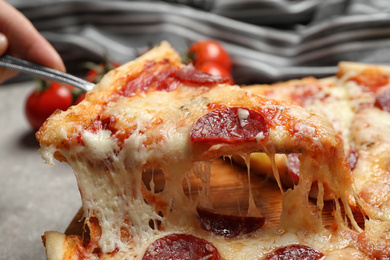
229	192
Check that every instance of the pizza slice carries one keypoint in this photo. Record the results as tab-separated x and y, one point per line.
155	114
324	96
357	102
369	93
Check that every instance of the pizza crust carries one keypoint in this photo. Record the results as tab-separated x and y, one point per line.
347	68
55	244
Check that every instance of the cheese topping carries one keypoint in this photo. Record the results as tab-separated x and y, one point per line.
155	130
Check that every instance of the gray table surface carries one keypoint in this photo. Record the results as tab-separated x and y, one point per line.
34	197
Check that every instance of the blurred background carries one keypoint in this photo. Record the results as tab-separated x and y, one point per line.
268	40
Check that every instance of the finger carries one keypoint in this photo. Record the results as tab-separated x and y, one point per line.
3	44
25	41
5	73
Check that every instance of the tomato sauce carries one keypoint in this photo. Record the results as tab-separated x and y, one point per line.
103	124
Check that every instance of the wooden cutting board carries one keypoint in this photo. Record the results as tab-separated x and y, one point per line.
230	193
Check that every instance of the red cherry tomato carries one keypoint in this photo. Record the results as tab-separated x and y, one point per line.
209	50
41	104
92	76
79	98
97	71
215	69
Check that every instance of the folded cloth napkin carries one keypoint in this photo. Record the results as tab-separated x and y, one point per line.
269	40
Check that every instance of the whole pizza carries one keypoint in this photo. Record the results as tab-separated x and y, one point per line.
319	139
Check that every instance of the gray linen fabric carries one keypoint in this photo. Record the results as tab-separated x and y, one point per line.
269	40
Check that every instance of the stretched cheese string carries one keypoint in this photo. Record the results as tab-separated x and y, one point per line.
275	170
253	211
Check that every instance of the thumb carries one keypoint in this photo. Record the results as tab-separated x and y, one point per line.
5	73
3	44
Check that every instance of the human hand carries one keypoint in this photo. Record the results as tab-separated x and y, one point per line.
19	38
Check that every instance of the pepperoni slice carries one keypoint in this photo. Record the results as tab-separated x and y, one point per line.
371	81
352	158
293	165
191	76
227	225
230	125
158	76
163	76
181	246
295	252
383	100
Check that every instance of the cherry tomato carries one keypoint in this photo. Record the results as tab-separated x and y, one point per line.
215	69
79	98
41	104
93	75
209	50
97	71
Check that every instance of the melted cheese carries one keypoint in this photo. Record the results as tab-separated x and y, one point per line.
370	137
372	172
112	189
158	125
